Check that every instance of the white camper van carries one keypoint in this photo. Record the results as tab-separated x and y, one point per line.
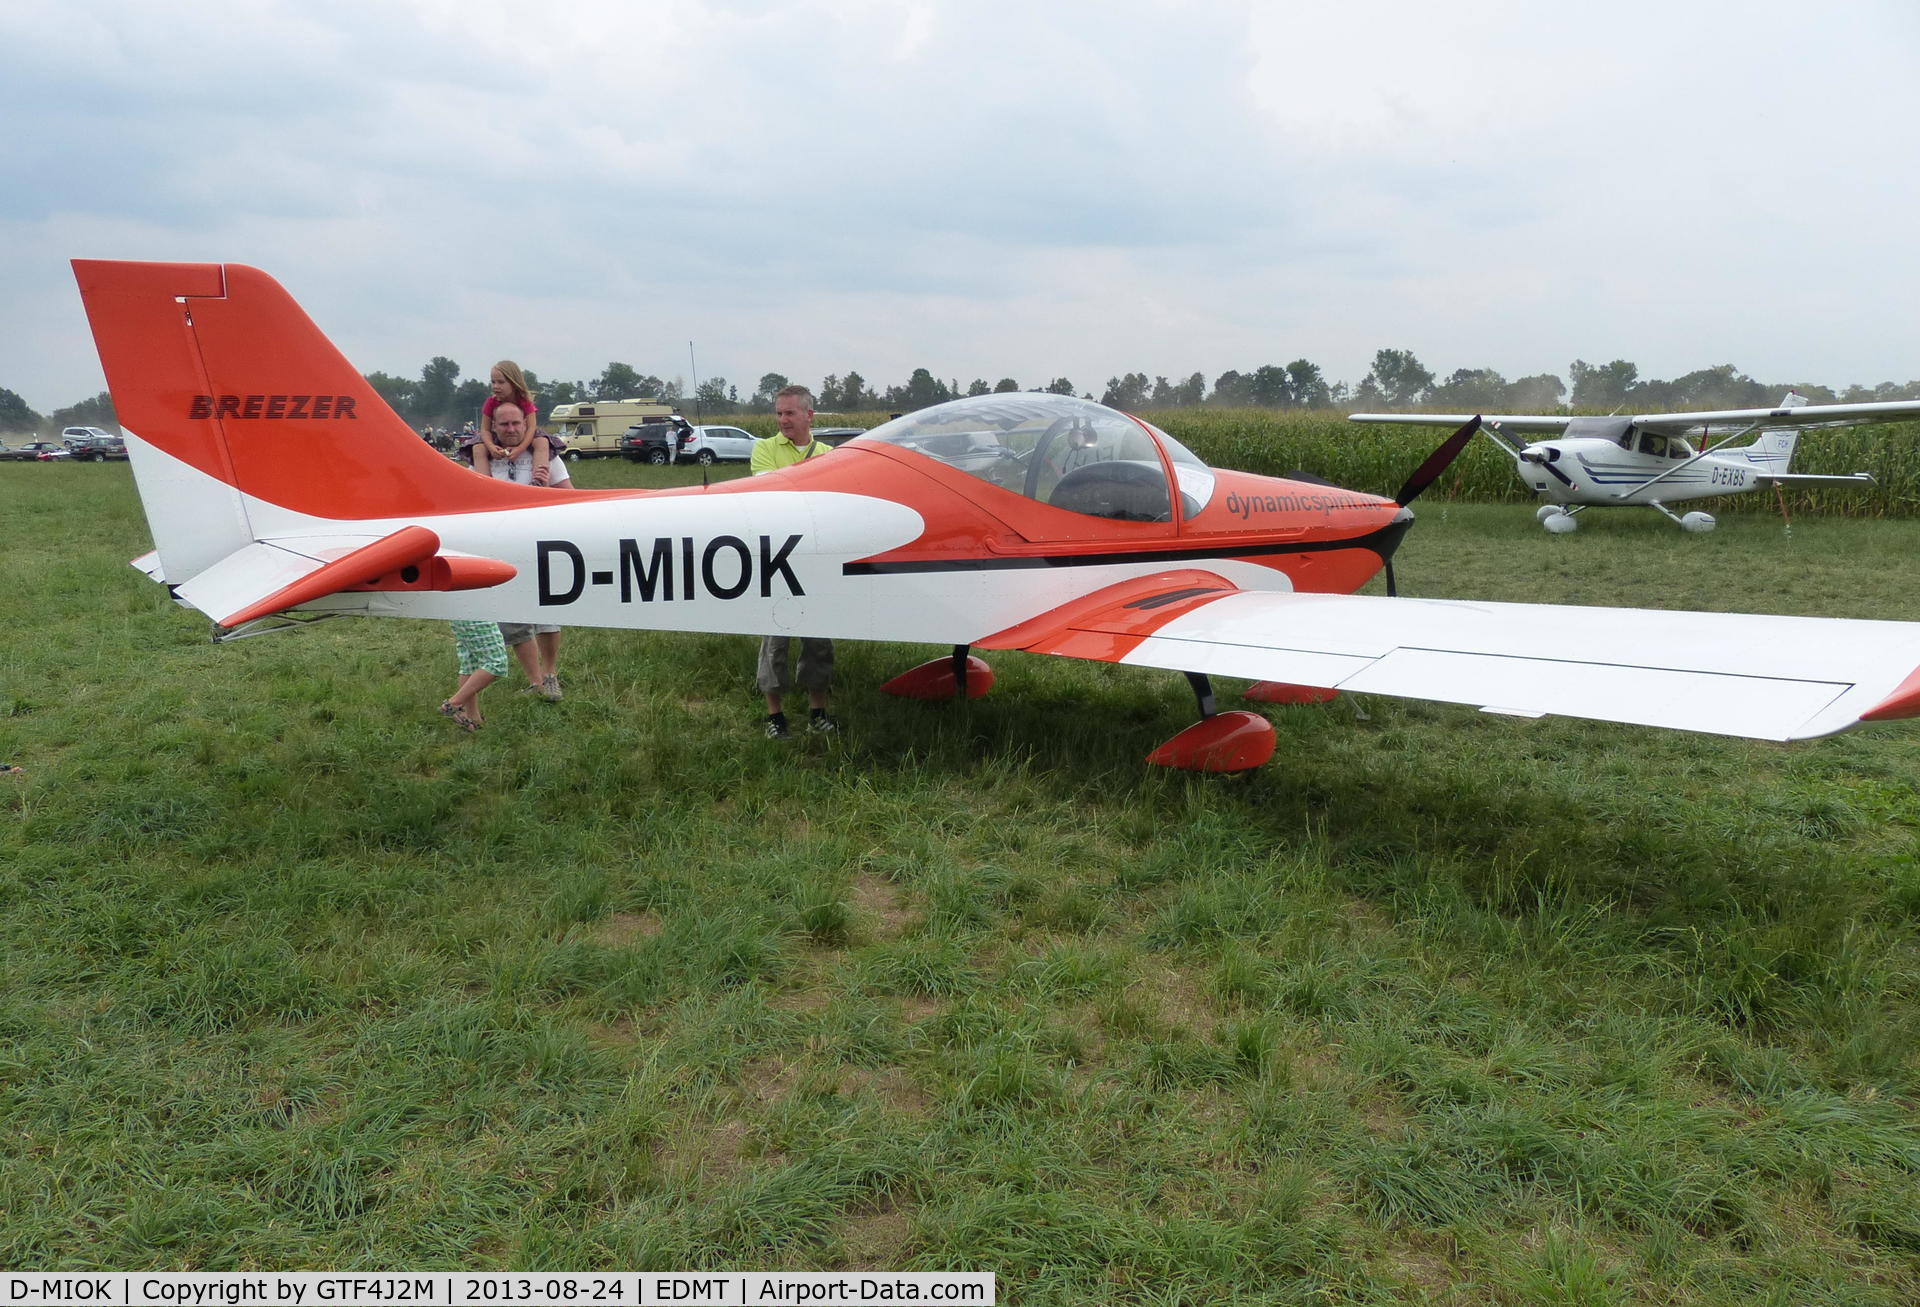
593	429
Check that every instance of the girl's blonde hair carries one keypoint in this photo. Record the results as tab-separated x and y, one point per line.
517	380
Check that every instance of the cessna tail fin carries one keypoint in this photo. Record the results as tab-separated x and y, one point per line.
1772	450
235	405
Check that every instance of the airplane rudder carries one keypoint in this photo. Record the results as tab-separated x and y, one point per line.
144	333
143	330
303	427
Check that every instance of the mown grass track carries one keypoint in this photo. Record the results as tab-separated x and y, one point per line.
1435	1004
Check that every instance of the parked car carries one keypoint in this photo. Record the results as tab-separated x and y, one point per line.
649	442
35	451
653	442
718	445
93	444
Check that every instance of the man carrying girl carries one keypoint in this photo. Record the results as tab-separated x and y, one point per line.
510	387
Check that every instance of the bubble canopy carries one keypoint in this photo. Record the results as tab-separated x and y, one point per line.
1059	450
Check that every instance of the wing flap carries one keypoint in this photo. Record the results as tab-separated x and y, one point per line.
1770	708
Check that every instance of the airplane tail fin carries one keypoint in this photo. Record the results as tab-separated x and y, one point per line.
235	405
1772	450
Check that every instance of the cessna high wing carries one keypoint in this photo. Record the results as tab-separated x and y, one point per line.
1657	459
279	488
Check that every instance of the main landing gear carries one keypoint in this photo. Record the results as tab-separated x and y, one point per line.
1559	521
961	676
1691	522
1218	742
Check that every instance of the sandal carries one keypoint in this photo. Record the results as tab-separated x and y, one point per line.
459	715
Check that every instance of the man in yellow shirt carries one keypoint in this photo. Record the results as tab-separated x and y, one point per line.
794	443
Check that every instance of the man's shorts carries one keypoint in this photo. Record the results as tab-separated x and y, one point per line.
816	665
521	632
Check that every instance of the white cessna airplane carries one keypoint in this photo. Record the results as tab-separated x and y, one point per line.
1653	458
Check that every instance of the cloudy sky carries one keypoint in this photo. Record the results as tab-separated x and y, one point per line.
985	189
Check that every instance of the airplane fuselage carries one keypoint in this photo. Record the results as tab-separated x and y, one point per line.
1592	472
871	543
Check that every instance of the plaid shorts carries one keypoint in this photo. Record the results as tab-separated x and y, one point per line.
480	647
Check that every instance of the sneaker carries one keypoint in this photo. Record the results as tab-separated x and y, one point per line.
821	724
550	689
777	727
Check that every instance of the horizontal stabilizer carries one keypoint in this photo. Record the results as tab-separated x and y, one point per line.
273	576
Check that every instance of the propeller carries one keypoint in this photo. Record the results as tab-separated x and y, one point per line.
1437	462
1429	472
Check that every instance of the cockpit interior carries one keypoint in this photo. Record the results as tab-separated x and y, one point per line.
1066	452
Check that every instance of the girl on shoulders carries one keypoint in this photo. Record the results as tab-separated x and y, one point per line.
510	386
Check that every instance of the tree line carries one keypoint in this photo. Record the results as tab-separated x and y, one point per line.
441	397
17	419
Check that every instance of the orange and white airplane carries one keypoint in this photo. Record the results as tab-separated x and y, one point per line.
279	487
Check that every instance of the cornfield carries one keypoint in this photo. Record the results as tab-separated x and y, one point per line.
1379	459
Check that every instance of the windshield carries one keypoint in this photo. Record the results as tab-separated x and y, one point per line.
1070	453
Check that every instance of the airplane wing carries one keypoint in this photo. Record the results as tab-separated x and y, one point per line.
1761	677
1802	415
1680	424
1536	423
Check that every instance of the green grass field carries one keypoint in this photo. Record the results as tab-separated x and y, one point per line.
1435	1007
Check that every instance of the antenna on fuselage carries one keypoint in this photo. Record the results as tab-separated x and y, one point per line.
694	369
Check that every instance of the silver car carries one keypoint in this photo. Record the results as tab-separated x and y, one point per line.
717	445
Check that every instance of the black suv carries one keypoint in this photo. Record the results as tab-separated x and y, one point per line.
93	444
654	442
